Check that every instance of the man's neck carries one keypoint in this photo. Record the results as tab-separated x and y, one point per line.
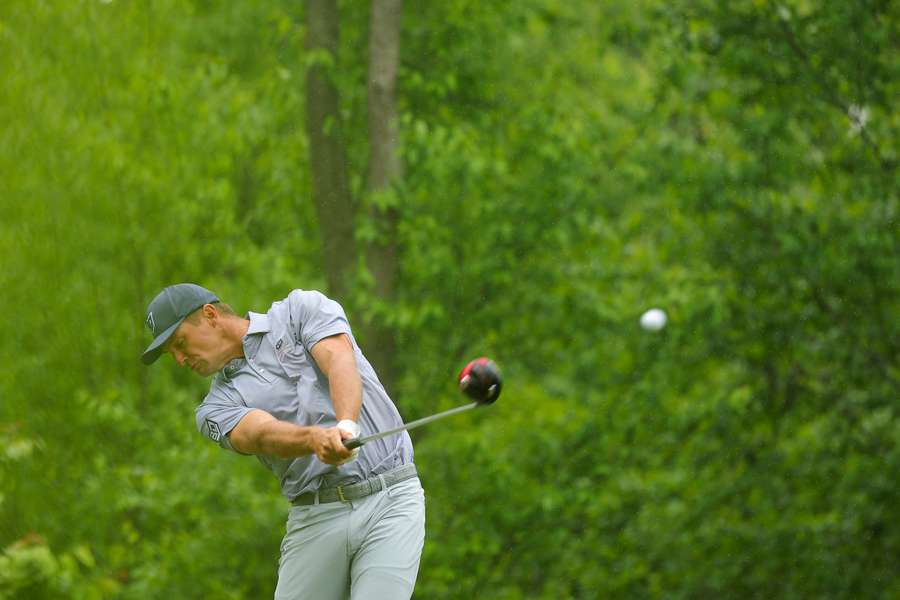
236	329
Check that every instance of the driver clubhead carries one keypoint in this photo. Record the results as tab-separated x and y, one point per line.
481	381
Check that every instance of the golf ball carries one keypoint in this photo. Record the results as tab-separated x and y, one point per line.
654	319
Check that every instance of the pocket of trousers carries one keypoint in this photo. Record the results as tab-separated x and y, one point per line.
406	488
307	517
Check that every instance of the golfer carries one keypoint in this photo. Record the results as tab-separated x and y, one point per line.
289	386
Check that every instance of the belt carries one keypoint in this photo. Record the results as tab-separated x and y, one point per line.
355	491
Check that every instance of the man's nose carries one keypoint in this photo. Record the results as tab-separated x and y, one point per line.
179	357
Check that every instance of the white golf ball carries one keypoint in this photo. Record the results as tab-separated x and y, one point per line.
654	319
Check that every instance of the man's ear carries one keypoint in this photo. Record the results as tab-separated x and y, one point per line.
210	313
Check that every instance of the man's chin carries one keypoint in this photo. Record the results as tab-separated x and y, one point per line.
204	371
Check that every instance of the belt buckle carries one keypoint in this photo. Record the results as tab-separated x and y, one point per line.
340	493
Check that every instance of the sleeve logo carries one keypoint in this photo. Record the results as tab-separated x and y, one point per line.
213	430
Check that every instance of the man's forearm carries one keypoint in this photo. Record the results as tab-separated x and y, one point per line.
346	387
285	440
258	432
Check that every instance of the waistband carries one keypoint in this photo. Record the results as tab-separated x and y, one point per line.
355	491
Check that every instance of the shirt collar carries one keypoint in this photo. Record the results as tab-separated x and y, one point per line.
259	323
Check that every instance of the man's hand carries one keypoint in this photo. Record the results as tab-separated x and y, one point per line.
328	444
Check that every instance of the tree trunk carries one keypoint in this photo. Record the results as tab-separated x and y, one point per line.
328	155
385	169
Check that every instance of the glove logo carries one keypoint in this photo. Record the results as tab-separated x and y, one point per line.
213	430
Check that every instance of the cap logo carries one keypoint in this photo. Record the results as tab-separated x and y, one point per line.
151	323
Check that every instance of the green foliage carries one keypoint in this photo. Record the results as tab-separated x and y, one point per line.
568	165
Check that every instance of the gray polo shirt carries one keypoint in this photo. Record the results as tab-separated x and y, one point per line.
278	375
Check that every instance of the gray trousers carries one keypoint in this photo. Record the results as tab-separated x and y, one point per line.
362	549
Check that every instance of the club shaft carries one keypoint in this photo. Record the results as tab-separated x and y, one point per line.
357	442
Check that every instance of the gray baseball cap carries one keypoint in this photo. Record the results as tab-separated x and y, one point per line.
166	312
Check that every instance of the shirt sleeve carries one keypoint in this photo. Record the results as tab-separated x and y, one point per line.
219	413
315	317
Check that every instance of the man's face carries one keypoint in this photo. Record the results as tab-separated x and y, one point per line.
199	346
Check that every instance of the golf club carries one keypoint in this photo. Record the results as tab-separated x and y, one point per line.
480	380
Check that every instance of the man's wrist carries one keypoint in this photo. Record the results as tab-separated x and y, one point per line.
350	426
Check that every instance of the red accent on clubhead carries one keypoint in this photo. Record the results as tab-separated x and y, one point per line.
467	370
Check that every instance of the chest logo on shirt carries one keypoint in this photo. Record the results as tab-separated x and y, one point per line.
281	349
214	433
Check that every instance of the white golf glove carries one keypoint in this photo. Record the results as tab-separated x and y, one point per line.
351	427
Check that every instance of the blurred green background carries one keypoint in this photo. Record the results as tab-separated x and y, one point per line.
566	164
